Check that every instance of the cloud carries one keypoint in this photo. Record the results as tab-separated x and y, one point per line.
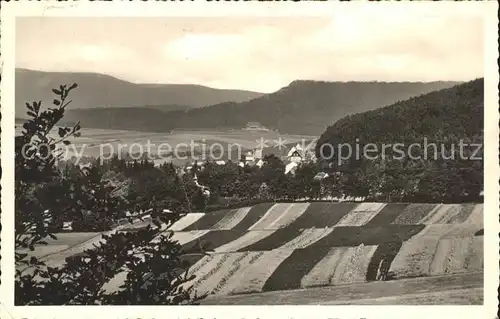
261	54
204	47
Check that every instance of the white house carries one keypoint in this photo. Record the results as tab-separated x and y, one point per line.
298	154
259	163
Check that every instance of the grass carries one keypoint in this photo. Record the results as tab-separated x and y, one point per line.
401	292
471	296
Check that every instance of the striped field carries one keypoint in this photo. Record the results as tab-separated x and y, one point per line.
283	246
303	245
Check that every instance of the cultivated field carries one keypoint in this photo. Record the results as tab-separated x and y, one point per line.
373	252
94	141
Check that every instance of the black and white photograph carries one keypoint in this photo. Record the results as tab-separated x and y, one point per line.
255	159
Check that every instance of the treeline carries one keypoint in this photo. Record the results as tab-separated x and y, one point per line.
140	185
426	173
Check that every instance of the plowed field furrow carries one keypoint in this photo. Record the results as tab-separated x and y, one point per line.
254	214
292	213
463	214
442	215
290	272
185	237
249	238
381	260
211	240
356	218
255	276
353	266
321	215
238	266
208	270
354	236
322	273
387	215
306	238
217	279
185	221
278	238
413	213
208	220
368	207
232	219
272	215
453	255
477	215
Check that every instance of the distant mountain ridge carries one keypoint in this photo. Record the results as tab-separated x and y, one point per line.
303	107
99	90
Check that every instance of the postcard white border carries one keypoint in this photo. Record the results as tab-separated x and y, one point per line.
12	10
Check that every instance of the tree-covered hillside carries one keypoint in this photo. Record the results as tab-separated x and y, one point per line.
437	166
303	107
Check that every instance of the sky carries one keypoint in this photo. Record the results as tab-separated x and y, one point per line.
257	53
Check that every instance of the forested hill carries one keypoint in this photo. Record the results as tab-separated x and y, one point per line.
445	118
303	107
